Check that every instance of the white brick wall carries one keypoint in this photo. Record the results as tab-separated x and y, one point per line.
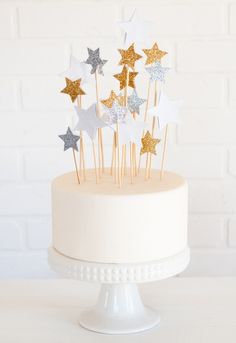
36	39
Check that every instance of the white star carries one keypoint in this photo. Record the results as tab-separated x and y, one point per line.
77	70
131	130
136	30
88	121
166	111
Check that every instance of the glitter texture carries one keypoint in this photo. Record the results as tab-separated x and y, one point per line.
129	57
149	144
157	72
113	97
73	89
134	102
122	77
115	114
70	140
96	62
154	54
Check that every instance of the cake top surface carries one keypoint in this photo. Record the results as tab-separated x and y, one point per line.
106	186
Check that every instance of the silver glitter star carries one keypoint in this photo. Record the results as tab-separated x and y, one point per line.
115	114
134	102
96	62
157	72
88	121
70	140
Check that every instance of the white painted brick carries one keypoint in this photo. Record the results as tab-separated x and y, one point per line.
212	262
206	231
39	233
232	92
33	57
208	56
206	197
6	21
196	91
44	93
10	235
8	91
10	169
83	19
28	199
181	19
205	162
232	233
232	161
45	164
34	128
207	127
212	197
233	19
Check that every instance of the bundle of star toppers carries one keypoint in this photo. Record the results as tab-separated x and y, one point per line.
134	140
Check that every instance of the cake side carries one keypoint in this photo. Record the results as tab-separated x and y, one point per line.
129	225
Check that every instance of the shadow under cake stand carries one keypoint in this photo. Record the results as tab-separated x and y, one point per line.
119	308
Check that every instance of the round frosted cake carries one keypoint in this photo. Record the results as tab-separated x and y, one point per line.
140	222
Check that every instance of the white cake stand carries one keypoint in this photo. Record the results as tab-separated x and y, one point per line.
119	309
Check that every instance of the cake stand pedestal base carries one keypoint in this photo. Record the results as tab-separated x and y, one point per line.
119	309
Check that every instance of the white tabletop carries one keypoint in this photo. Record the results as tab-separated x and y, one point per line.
192	310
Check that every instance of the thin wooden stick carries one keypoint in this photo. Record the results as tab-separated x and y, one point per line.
131	163
100	145
82	158
95	162
164	153
153	129
118	154
145	119
112	155
123	163
76	167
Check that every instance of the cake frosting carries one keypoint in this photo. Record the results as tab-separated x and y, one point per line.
140	222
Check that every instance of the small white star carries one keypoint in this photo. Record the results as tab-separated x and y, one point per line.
131	130
77	70
115	114
88	121
136	30
166	111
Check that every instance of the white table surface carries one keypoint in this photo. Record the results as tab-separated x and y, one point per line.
46	311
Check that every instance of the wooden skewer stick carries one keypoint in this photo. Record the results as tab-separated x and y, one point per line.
95	162
112	155
131	163
118	154
76	167
145	119
100	144
153	129
164	153
82	158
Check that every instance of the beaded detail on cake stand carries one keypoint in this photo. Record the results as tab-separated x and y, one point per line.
119	308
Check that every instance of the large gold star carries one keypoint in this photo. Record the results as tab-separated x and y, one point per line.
129	56
73	89
122	77
154	54
109	101
149	144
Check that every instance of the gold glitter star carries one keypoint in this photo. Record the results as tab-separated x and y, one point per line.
109	101
154	54
73	89
129	56
122	77
149	144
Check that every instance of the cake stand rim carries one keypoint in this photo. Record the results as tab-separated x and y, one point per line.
118	272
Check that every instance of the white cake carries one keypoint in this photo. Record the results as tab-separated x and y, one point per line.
141	222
